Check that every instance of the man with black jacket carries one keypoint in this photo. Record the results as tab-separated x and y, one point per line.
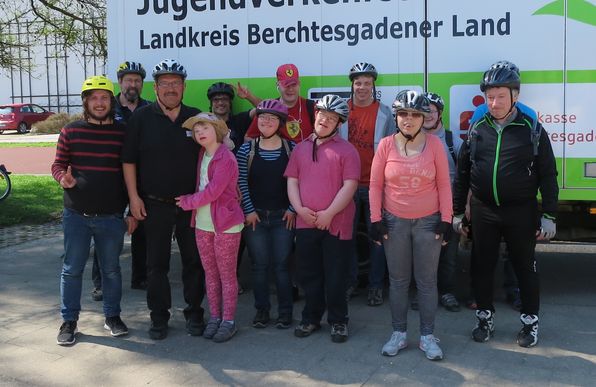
159	163
506	159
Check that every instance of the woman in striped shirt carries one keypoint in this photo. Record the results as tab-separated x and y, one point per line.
269	231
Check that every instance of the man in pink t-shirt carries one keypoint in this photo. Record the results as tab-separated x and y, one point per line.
323	175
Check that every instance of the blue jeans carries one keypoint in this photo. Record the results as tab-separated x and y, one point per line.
376	274
270	245
108	234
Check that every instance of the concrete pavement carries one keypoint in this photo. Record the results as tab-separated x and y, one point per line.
29	321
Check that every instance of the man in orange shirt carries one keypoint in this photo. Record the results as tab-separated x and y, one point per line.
369	121
300	110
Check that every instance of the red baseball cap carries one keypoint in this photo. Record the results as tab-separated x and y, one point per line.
287	75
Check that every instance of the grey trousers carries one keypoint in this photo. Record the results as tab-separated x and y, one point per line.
412	245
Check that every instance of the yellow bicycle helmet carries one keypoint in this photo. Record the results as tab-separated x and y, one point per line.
97	82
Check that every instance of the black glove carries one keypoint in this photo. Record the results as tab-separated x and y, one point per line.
444	228
377	231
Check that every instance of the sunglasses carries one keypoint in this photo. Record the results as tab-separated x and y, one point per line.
404	114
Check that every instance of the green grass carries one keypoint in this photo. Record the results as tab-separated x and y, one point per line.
27	144
33	200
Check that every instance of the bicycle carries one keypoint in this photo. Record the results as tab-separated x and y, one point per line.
5	185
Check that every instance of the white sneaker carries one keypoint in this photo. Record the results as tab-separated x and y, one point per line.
398	340
429	345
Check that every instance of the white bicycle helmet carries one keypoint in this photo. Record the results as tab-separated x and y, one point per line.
168	66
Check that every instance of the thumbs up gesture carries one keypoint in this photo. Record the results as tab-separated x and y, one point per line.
67	180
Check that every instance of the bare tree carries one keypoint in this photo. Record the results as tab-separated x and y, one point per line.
79	25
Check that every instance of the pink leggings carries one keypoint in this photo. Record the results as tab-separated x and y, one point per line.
219	257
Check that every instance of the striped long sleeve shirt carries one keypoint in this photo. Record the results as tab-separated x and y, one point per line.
93	152
242	156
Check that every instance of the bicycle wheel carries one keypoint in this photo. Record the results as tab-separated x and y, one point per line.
5	185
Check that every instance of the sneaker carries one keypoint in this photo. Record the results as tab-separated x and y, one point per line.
528	336
428	344
226	330
351	292
397	341
485	327
306	329
116	326
414	302
67	334
284	321
195	327
158	331
449	302
339	333
261	319
97	294
375	297
212	327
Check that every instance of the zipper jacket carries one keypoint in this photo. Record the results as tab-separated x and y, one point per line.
499	166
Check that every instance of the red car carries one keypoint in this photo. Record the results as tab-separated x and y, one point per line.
20	116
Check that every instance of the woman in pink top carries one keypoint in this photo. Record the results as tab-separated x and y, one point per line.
411	209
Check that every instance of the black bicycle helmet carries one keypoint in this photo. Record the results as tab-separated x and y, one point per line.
505	64
436	100
363	68
220	88
131	68
500	77
411	100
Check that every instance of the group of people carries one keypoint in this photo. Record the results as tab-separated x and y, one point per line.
292	179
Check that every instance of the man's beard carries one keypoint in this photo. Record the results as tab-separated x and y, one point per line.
90	114
131	94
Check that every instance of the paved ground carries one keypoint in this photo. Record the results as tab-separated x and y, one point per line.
29	321
28	160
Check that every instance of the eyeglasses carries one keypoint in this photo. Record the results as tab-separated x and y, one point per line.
404	114
173	84
268	117
434	111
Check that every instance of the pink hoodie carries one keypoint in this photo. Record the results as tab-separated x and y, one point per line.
221	191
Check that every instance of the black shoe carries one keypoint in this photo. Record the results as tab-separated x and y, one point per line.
485	327
97	294
195	327
449	302
375	297
158	331
261	319
67	333
306	329
284	321
339	333
528	336
116	326
139	285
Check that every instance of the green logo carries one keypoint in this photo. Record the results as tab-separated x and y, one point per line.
579	10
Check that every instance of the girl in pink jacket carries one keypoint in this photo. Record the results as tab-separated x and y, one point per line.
218	220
